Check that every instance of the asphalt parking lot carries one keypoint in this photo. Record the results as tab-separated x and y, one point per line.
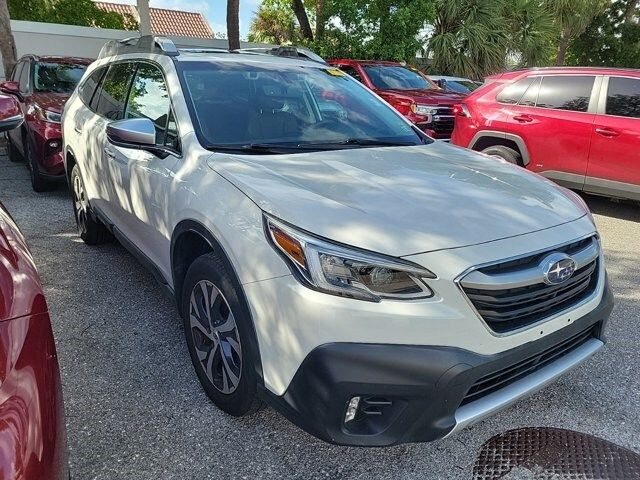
135	409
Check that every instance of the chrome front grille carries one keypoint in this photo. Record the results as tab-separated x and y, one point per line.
512	294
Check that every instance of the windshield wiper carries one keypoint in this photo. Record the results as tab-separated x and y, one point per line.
256	148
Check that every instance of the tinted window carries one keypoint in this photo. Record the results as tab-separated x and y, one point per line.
351	71
239	104
459	86
24	77
57	77
531	95
115	88
513	93
17	70
172	139
388	77
565	93
90	85
149	99
623	97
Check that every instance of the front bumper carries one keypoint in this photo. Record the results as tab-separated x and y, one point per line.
415	392
46	142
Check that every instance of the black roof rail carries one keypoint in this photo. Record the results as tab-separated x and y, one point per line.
285	51
205	50
144	44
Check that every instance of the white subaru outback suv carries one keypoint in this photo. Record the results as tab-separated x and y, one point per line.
373	285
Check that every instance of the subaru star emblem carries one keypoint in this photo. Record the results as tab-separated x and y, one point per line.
557	268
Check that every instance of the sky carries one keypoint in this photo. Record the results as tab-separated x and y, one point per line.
215	11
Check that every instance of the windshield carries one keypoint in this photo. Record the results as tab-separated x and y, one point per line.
57	77
460	86
242	105
386	77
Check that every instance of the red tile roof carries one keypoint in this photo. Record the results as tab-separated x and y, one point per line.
166	22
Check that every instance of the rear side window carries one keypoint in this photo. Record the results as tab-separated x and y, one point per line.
149	99
565	93
531	95
623	97
90	85
114	91
512	94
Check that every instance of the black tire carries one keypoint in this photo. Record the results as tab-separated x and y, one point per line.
38	182
12	153
210	272
506	153
90	229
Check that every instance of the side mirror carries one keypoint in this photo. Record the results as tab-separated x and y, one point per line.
11	87
10	114
138	133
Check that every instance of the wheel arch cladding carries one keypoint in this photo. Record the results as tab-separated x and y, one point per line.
490	139
190	240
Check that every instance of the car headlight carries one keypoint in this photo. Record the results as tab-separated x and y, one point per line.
347	271
426	110
46	115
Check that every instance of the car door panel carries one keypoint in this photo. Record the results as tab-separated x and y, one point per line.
555	123
614	160
140	178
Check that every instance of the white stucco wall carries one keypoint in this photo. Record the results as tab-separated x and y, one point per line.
69	40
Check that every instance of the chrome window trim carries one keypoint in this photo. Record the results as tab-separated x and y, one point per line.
597	293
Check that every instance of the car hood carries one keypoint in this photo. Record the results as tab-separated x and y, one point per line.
402	200
428	97
53	102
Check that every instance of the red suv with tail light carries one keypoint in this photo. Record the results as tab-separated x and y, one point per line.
408	91
42	85
577	126
32	425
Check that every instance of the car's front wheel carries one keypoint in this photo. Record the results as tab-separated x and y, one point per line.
38	182
91	230
217	329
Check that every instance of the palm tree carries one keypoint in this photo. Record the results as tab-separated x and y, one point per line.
233	24
533	32
303	19
7	43
470	37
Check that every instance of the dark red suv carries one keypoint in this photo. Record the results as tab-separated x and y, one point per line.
32	425
577	126
408	91
42	85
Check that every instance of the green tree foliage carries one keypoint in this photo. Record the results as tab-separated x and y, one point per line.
572	18
274	22
377	29
609	41
69	12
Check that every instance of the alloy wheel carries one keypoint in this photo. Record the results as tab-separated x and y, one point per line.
80	203
215	337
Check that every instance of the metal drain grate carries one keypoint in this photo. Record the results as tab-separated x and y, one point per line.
554	453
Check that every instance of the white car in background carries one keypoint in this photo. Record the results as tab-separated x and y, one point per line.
374	286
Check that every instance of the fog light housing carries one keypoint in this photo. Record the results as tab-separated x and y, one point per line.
352	409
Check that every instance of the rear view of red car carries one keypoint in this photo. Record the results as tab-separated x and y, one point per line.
415	96
577	126
42	85
32	425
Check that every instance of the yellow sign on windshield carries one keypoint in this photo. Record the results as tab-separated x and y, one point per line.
336	72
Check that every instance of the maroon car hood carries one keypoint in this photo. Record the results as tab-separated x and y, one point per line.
53	102
429	97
